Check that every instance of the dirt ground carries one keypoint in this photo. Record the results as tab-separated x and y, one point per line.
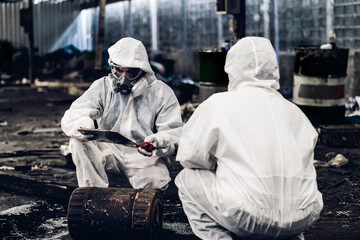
31	136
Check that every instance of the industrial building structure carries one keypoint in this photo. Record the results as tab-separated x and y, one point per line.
177	30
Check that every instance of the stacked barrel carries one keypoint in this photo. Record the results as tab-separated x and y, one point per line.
319	83
213	78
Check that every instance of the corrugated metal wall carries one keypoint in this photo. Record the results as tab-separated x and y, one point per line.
300	22
347	22
51	20
60	23
10	29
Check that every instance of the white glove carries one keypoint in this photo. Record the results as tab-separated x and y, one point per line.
144	152
166	148
87	137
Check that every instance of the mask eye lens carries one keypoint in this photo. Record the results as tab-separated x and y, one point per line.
130	73
118	70
133	72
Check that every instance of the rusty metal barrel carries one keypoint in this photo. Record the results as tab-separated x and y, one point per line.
319	83
114	213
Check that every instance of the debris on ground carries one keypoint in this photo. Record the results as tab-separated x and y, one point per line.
338	161
187	109
25	110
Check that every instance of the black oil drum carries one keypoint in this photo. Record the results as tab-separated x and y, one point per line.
319	83
213	78
114	213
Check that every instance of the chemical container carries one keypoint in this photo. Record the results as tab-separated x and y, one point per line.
319	83
212	77
108	213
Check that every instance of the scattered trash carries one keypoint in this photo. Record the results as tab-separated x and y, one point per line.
18	210
318	163
340	135
22	168
183	88
75	91
338	161
187	109
7	168
64	149
343	213
48	131
179	228
351	183
36	167
330	155
3	123
56	228
56	131
24	132
351	105
41	167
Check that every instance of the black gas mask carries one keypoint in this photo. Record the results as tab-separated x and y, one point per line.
124	78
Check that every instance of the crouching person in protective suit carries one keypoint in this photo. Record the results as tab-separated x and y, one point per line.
130	101
248	155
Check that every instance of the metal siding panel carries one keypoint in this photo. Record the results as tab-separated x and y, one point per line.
7	16
54	23
2	25
9	21
37	19
36	37
12	22
26	38
58	19
61	17
17	29
47	24
21	32
41	28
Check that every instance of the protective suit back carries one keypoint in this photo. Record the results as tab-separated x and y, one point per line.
261	145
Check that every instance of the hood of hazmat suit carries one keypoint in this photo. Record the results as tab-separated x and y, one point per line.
151	109
260	146
130	53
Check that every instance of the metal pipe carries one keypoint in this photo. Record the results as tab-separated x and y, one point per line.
276	27
131	27
31	41
266	7
154	28
329	17
100	35
186	47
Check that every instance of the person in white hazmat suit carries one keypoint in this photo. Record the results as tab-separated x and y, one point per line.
248	155
130	101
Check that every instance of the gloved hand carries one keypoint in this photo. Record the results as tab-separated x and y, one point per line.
87	136
167	148
144	152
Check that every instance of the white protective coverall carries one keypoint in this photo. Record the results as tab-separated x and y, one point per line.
248	155
151	112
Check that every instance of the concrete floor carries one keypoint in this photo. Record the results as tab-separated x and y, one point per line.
33	202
